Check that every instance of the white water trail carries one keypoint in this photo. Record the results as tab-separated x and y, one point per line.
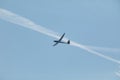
117	73
16	19
104	48
94	52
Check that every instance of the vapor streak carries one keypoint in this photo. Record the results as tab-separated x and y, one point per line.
118	74
94	52
104	48
16	19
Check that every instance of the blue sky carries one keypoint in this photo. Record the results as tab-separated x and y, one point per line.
27	55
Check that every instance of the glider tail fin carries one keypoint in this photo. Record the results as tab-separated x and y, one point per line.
68	42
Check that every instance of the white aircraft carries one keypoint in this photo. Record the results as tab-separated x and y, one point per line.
60	41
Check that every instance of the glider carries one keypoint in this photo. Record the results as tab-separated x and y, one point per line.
60	40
